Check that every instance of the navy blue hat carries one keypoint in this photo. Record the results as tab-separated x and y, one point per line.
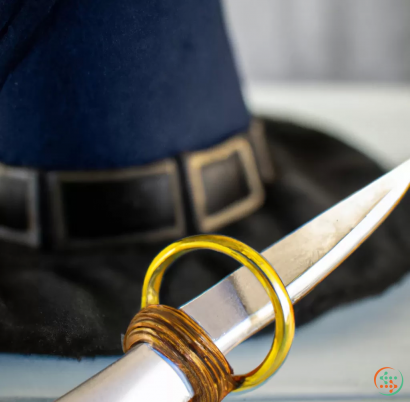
88	85
122	127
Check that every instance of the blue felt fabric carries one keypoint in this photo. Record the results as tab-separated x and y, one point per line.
106	84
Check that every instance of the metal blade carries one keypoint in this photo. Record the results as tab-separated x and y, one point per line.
238	306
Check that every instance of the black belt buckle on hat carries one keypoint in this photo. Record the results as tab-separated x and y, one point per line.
221	184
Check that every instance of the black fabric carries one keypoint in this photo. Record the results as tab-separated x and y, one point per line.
13	203
113	208
78	303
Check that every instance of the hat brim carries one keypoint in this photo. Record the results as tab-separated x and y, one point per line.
78	303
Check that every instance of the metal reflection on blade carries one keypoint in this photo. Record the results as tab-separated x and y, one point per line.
238	306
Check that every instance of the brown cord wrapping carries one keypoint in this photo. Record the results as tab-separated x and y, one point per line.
179	338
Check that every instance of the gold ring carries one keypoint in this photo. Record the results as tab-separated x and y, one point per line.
260	267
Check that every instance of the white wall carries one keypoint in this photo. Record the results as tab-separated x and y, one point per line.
321	39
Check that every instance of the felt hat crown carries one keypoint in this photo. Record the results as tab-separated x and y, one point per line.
88	85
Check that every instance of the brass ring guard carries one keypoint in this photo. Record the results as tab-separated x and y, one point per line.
264	272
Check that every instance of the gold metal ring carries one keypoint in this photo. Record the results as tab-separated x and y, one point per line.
260	267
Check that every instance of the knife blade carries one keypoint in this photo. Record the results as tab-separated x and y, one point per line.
238	306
